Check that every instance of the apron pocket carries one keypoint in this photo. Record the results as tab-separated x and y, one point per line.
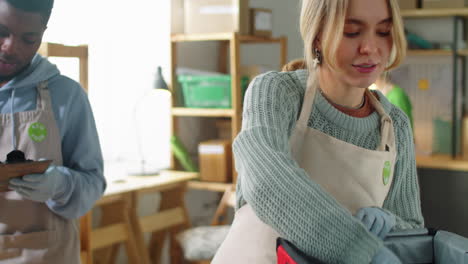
34	244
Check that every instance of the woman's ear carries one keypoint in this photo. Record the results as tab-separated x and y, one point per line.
317	44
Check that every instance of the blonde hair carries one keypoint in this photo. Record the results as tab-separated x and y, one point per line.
326	18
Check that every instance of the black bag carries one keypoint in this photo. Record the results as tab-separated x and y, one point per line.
416	246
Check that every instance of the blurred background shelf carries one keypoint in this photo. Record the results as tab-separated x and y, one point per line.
202	112
441	162
441	12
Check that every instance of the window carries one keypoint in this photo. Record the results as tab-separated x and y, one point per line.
127	41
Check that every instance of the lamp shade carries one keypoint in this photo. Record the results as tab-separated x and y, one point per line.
159	82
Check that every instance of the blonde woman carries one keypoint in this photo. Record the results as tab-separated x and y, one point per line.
323	162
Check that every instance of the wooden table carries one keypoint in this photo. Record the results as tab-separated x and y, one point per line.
120	222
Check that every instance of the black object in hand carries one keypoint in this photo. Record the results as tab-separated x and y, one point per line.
16	156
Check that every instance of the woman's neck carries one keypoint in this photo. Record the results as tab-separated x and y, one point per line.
339	93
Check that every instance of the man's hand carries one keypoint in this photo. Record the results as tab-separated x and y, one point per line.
40	187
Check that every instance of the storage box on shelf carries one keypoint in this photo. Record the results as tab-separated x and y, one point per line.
215	160
214	16
209	91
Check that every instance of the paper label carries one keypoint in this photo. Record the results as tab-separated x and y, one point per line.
206	149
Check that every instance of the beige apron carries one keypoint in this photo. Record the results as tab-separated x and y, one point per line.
354	176
29	231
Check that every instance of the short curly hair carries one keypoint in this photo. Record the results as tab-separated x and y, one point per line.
43	7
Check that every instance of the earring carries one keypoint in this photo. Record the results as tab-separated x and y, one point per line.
318	57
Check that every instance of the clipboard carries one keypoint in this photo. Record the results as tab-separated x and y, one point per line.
12	170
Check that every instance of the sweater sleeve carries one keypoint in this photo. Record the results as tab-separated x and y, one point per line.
81	152
279	191
403	199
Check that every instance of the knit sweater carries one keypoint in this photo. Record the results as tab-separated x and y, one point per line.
282	194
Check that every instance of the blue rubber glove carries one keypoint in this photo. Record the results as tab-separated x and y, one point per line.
385	256
40	187
377	221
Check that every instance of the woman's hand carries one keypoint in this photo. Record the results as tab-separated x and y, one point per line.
377	221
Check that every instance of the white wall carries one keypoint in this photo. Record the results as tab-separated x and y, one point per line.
126	44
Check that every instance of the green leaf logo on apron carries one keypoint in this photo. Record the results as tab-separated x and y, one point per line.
37	132
386	172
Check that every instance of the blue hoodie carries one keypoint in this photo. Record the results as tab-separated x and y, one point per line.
81	152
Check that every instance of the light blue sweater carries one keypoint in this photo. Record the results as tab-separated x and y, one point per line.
282	194
81	152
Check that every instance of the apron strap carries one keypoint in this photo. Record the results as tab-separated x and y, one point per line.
306	109
386	125
42	98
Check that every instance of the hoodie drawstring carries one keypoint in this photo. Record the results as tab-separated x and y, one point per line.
13	118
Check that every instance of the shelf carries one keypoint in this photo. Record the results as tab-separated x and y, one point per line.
255	39
223	37
201	37
202	112
463	52
423	52
80	52
441	12
58	50
208	186
441	162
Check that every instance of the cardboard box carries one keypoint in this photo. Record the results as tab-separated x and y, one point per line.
216	16
261	22
215	160
177	12
408	4
428	4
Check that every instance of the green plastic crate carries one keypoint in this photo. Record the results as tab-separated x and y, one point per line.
209	91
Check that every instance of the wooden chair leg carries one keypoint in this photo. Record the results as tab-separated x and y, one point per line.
156	245
169	199
131	244
85	239
175	249
111	214
114	213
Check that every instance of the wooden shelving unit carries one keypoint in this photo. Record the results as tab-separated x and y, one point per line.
58	50
423	52
229	48
201	112
210	186
433	13
447	162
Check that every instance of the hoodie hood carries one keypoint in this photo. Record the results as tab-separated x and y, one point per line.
39	70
